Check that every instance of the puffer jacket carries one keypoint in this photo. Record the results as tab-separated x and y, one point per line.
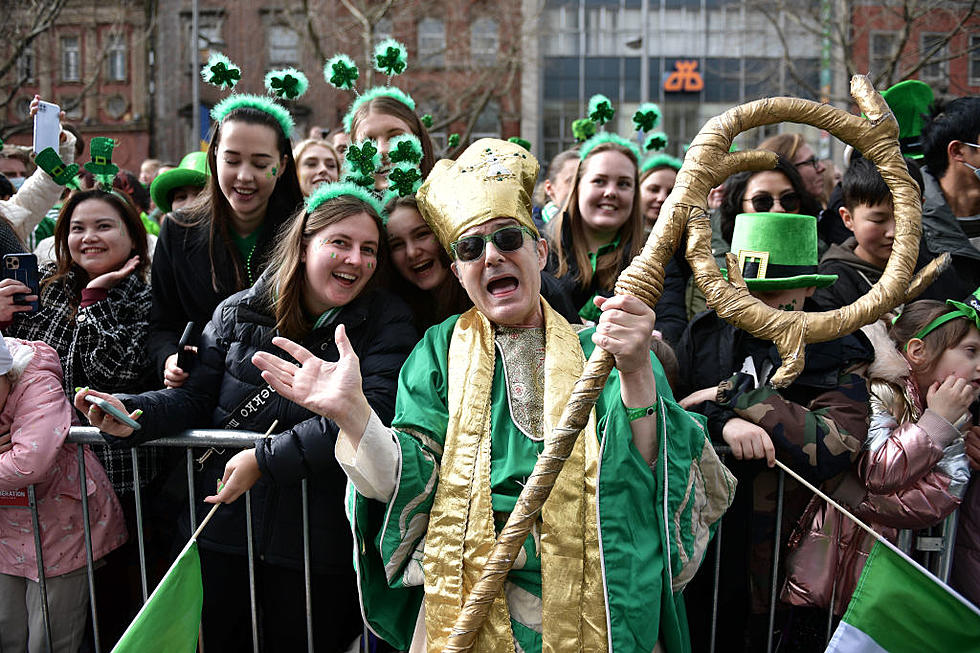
912	474
37	415
380	329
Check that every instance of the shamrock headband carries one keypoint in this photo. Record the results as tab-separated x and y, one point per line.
287	83
329	191
661	161
969	311
389	58
362	160
608	137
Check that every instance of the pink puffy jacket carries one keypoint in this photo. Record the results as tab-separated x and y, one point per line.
38	415
912	474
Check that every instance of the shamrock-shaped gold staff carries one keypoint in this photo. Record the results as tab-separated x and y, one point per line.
707	164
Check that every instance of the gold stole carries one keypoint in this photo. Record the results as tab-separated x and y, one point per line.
461	530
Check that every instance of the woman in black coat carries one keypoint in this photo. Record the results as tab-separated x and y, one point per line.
320	280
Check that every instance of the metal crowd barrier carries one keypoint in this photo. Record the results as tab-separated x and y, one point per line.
935	545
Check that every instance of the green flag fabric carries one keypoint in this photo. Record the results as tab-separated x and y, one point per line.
170	619
899	607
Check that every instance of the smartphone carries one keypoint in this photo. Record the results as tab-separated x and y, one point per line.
23	267
106	407
47	126
185	358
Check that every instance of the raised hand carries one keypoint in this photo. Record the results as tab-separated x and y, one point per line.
332	390
951	398
111	279
624	330
241	473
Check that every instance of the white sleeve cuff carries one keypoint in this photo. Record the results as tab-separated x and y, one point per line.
373	466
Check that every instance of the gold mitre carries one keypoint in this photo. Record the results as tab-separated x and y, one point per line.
490	179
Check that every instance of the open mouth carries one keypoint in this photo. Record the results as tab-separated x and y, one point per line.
425	266
605	206
345	279
93	251
502	286
245	193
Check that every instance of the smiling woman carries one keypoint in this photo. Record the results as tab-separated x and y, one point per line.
320	280
316	162
222	243
94	304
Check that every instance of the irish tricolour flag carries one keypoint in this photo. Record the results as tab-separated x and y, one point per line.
898	606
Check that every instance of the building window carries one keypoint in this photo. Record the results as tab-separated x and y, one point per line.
881	52
208	34
72	106
116	58
487	124
484	42
975	61
25	65
937	65
432	42
283	46
383	29
116	106
71	59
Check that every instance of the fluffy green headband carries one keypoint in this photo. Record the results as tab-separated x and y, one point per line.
376	92
608	137
329	191
259	102
661	161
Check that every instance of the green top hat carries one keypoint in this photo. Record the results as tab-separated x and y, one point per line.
778	251
192	171
909	100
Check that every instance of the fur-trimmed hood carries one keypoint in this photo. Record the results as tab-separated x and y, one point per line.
889	363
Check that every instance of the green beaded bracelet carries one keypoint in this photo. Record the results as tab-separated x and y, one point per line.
639	413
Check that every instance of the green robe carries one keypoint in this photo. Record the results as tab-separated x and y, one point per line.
647	554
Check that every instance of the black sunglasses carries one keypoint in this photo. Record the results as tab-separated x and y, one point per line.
505	239
790	201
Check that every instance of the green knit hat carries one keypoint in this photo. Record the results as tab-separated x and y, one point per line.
778	251
910	101
192	171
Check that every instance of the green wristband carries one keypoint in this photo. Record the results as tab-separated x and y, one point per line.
639	413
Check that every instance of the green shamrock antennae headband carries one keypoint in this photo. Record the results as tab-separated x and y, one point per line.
288	83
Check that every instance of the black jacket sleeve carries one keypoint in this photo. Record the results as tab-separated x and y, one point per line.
383	342
167	315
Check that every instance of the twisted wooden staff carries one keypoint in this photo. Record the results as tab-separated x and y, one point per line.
707	164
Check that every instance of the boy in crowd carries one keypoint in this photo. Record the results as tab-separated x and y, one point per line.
858	262
817	426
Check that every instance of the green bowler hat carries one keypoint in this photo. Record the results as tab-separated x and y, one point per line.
192	171
778	251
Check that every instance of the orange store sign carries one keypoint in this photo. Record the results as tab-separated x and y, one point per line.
684	78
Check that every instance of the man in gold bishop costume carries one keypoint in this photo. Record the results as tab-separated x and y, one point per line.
631	512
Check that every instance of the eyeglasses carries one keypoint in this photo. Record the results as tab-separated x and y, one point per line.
790	201
973	145
506	239
812	161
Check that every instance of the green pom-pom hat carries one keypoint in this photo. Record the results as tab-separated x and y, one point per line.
608	137
778	251
376	92
258	102
286	83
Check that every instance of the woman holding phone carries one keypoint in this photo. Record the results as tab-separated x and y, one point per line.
221	244
323	273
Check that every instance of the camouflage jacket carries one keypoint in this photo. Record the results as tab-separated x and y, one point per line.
818	425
